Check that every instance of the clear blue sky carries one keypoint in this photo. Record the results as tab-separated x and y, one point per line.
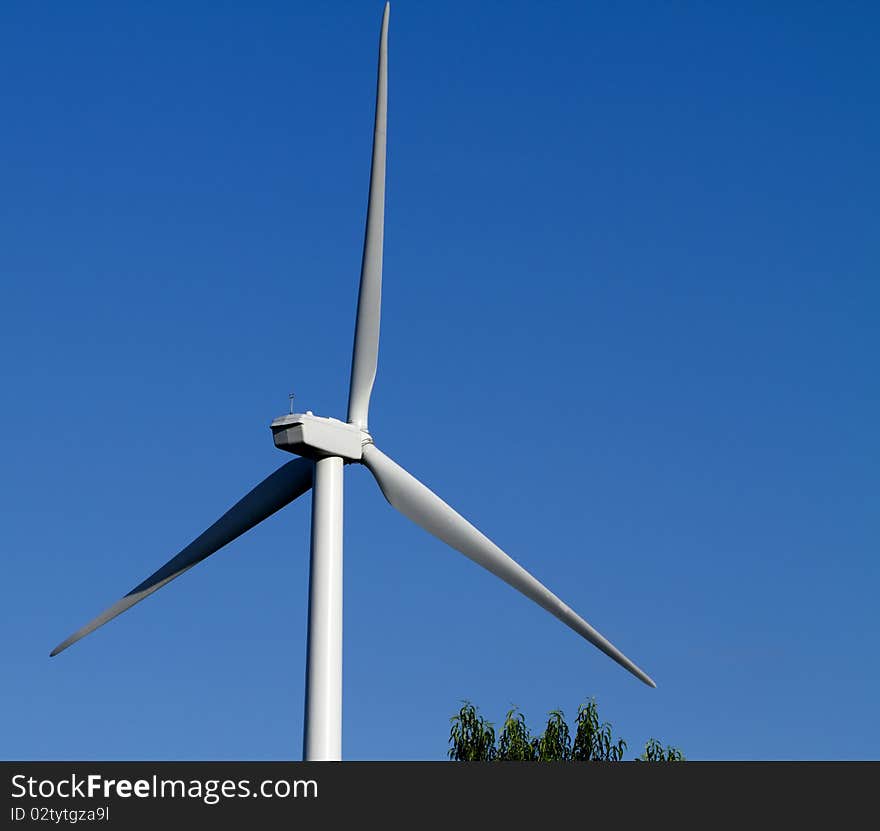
630	329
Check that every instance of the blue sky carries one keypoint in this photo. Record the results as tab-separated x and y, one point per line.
629	329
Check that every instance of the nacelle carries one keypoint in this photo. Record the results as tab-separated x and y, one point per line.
309	435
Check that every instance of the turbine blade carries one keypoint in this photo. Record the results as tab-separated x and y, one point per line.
365	355
273	493
425	508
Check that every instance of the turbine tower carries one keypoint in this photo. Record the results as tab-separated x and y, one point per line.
324	446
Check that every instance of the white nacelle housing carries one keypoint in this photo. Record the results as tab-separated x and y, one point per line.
309	435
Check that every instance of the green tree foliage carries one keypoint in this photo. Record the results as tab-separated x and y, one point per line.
515	743
654	752
472	739
593	742
555	744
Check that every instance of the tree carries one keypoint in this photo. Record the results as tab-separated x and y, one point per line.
472	739
555	744
515	744
593	742
654	752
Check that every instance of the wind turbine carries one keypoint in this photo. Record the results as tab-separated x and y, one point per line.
325	446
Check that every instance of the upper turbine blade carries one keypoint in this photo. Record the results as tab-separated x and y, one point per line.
273	493
365	355
425	508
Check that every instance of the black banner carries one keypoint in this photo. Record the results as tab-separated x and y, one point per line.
135	795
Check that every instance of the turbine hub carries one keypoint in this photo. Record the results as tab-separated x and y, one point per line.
315	437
